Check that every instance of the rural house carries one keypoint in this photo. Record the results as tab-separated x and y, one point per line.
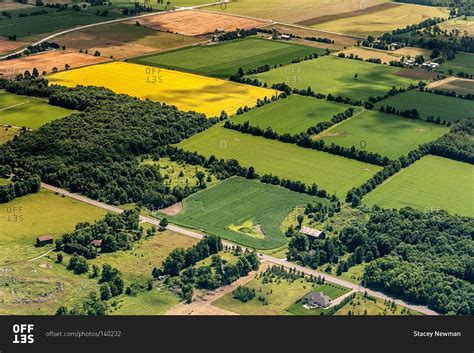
311	232
317	299
44	239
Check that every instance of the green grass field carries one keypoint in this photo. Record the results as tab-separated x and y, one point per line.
246	212
431	183
461	63
330	74
292	115
154	302
28	111
333	173
387	134
429	104
223	60
54	20
364	306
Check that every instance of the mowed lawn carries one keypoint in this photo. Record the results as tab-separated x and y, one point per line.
334	75
25	218
27	111
330	172
224	60
188	92
385	20
244	211
291	115
431	183
430	104
461	63
387	134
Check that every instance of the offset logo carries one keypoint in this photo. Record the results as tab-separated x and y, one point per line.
23	333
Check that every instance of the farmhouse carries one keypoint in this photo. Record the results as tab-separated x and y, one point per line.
44	239
317	299
96	243
311	232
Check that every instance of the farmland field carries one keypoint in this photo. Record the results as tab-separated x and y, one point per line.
7	134
461	63
243	211
333	173
429	184
224	60
458	85
292	115
429	104
459	24
188	92
330	74
291	11
193	23
123	40
390	16
47	62
371	130
28	111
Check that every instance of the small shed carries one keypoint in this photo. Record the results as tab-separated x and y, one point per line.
44	239
311	232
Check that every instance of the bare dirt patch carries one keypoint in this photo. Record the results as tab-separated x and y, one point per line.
8	46
194	23
46	62
173	210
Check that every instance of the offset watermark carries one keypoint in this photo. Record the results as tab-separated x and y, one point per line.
15	214
153	75
294	75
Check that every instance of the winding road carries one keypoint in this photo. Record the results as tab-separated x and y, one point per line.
274	260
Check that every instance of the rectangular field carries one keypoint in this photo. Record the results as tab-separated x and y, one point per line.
459	25
291	115
330	74
432	183
461	63
223	60
47	62
27	111
244	211
387	134
333	173
186	91
383	18
194	23
458	85
429	104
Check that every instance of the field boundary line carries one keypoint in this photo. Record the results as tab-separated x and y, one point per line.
13	106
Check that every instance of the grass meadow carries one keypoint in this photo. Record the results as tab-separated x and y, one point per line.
223	60
243	211
186	91
461	63
432	183
27	111
330	172
387	134
429	104
292	115
336	76
460	86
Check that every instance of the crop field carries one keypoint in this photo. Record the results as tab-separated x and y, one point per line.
46	62
224	60
28	111
194	23
7	134
429	104
458	85
371	130
333	173
459	25
292	11
292	115
461	63
432	183
52	21
330	74
381	19
7	46
243	211
187	91
121	40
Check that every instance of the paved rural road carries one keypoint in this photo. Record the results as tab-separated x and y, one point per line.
110	22
284	263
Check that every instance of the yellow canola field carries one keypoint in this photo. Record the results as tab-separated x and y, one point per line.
186	91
